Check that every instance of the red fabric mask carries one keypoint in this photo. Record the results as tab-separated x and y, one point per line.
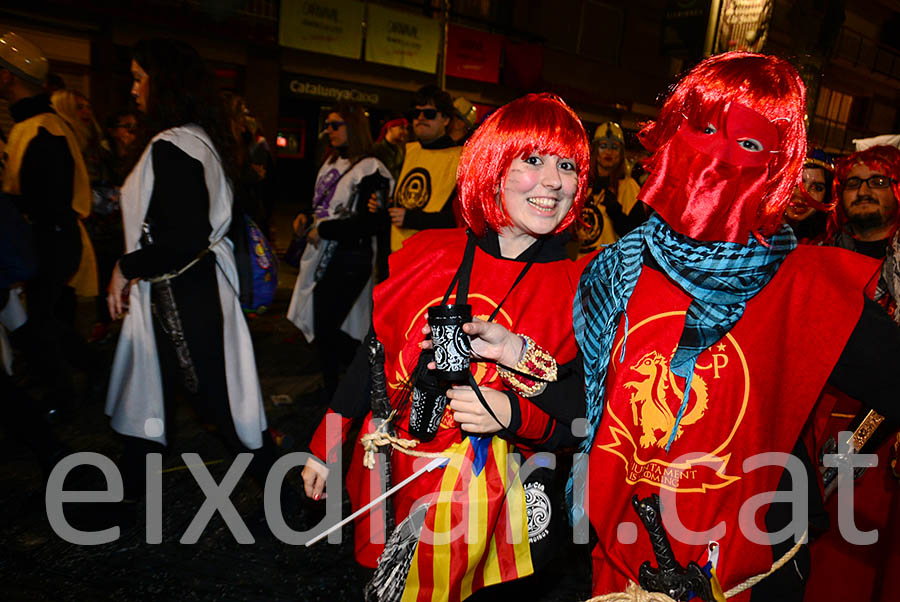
709	183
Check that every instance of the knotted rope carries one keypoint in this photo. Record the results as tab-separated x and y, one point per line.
380	437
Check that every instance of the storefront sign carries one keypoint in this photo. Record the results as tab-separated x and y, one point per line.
473	54
401	39
743	25
330	91
327	26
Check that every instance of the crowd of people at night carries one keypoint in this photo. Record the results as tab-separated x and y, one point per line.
531	335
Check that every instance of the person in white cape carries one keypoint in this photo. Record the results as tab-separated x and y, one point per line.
177	284
332	300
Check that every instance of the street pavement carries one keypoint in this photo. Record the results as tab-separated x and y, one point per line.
36	564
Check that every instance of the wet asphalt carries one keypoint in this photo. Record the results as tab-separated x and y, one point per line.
36	564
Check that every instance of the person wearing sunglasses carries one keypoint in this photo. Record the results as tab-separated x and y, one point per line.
865	220
331	301
423	198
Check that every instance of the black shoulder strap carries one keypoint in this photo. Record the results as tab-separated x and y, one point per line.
463	273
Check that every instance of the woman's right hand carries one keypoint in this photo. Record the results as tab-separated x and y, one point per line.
314	476
117	293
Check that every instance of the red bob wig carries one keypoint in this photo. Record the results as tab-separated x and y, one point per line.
883	159
766	84
534	124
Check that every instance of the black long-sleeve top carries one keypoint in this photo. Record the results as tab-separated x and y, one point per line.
47	172
178	215
351	399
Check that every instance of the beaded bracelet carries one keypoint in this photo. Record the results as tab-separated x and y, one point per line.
536	367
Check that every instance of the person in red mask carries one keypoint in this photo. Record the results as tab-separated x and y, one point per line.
707	336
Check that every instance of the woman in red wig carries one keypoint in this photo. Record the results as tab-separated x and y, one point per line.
522	180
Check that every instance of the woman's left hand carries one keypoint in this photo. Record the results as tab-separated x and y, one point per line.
490	341
471	415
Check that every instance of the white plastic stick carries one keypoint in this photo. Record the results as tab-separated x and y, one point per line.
437	462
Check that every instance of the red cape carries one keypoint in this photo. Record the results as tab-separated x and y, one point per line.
752	393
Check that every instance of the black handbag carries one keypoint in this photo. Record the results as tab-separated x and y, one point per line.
295	250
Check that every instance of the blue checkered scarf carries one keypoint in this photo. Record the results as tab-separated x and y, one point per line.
720	277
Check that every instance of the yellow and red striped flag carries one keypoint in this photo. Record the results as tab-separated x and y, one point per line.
476	530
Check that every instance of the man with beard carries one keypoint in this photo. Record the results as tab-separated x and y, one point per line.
867	219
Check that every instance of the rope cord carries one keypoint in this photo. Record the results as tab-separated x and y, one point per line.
177	273
734	591
635	593
380	437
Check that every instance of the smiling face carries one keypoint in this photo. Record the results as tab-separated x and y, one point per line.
140	88
538	193
814	183
867	208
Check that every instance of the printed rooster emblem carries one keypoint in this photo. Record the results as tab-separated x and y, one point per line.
653	398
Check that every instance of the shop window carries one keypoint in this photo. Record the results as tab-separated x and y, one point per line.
837	117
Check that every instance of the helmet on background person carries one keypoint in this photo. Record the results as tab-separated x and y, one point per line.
23	58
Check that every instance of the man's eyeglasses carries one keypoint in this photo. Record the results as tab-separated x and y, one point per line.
413	114
334	125
871	182
127	126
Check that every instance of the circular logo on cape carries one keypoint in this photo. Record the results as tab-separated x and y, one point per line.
414	190
644	409
538	510
593	226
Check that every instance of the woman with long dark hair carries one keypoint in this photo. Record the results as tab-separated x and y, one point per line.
177	283
332	298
